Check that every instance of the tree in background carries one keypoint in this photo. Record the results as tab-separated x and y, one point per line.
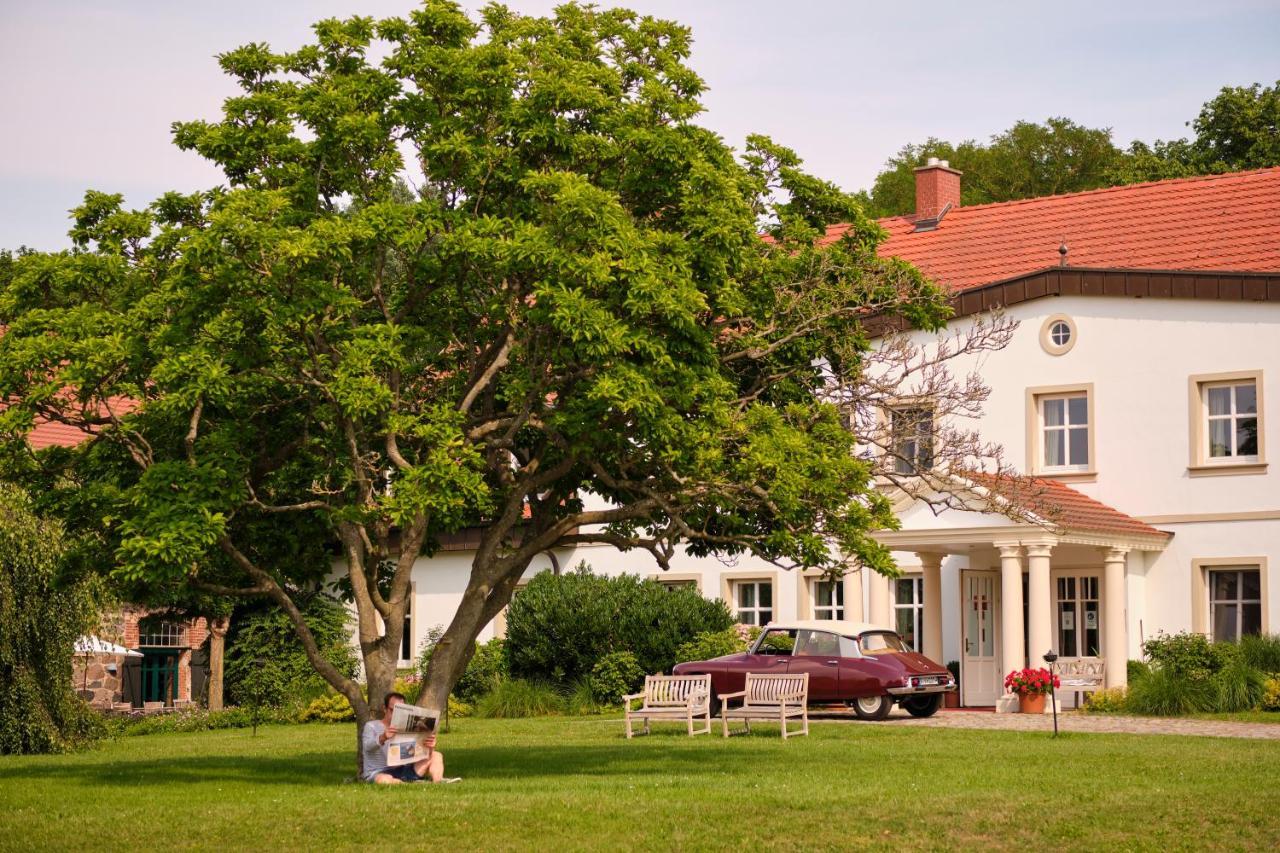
570	332
1238	129
43	610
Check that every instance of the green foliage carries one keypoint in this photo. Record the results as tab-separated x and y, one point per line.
42	612
1137	670
1261	651
1238	687
1188	654
558	628
1238	129
519	697
197	720
581	699
266	664
332	708
711	644
1168	693
615	675
1271	694
1113	700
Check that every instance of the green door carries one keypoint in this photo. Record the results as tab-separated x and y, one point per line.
160	676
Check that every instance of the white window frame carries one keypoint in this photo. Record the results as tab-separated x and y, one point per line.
916	606
1240	601
406	639
1232	417
823	611
1066	428
1079	601
1202	464
909	451
1037	428
756	610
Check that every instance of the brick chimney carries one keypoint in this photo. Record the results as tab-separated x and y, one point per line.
937	184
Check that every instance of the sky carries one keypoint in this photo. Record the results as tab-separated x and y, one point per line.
88	89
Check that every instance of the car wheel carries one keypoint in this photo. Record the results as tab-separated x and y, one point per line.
923	706
872	707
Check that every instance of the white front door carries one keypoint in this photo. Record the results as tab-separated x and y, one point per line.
980	678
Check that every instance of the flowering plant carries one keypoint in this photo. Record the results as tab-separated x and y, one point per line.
1030	682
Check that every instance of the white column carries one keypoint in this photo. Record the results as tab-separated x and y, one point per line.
853	605
1013	655
878	600
1039	604
931	631
1115	634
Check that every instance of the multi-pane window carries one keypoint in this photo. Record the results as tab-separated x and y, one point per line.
912	439
1060	333
908	610
1064	425
828	599
754	602
159	633
1231	413
1235	603
1079	617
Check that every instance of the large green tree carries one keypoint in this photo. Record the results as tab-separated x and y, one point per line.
567	331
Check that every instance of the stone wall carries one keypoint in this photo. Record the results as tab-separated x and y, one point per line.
94	680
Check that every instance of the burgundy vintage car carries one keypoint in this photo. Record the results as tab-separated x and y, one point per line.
864	666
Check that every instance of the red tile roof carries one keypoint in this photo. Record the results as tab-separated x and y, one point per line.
1062	506
1217	222
46	434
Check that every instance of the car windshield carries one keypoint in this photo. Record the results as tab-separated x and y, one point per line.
881	643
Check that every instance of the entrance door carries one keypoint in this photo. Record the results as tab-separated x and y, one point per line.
980	671
160	676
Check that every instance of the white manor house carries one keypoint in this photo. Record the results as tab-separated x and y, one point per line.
1137	396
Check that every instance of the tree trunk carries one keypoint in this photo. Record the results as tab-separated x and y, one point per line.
217	646
481	601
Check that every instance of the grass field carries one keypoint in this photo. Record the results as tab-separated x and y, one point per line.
556	783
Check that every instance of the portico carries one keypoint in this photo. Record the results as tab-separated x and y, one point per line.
1018	585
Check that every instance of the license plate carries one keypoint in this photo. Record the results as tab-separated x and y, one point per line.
924	682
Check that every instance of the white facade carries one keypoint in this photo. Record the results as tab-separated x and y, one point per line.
1138	361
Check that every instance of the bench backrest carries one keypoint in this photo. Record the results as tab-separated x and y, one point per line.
1082	671
768	689
676	690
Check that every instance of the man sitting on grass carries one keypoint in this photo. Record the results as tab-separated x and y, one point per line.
374	742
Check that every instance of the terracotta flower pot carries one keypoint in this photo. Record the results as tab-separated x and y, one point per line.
1031	703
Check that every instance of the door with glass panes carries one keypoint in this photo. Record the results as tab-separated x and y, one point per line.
1077	611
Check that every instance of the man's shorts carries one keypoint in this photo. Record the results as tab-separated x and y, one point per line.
405	773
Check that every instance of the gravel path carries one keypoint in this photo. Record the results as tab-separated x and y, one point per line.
1075	722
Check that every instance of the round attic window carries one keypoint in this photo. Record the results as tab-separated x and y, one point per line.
1058	334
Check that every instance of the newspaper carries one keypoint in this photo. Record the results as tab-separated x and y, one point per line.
412	725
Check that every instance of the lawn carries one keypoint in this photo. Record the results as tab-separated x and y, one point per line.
557	783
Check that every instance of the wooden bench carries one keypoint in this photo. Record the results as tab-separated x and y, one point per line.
672	697
1082	675
770	697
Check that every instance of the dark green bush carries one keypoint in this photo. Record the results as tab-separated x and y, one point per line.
1238	687
615	675
1138	670
1166	693
1262	652
559	627
42	612
711	644
266	665
1188	654
486	668
518	697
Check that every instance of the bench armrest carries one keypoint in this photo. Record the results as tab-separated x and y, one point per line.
629	698
739	694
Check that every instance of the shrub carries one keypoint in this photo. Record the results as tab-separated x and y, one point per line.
487	667
1271	694
458	708
1261	651
559	627
266	640
333	708
1187	654
1166	693
1137	670
195	720
613	676
581	700
43	609
711	644
1114	700
1238	687
519	697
